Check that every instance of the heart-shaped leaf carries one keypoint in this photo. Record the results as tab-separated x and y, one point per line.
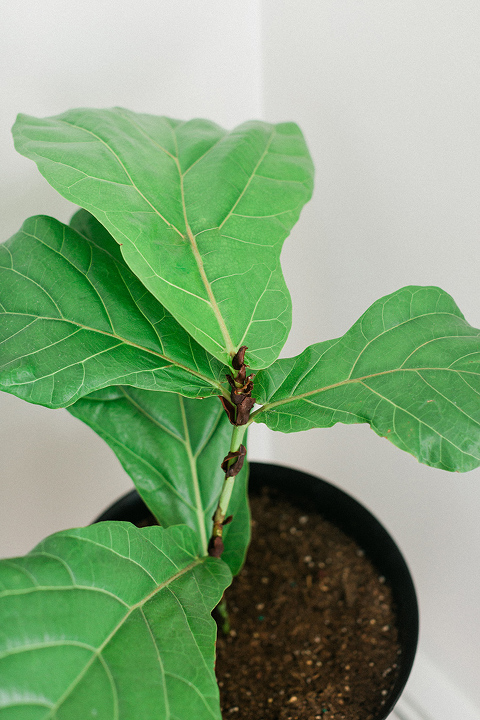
200	213
173	447
110	622
410	367
74	318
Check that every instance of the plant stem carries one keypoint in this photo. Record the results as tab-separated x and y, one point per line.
238	410
238	433
237	436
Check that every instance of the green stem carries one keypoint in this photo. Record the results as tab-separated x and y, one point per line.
227	489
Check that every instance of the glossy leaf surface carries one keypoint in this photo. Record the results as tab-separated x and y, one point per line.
74	318
173	447
110	622
200	213
410	367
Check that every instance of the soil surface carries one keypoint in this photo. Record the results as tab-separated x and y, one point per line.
312	629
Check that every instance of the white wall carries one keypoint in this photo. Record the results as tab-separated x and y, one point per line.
178	57
388	96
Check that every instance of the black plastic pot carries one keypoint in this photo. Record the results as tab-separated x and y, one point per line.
309	493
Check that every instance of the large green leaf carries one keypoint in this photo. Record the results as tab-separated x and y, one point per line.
200	213
74	318
112	623
172	447
410	367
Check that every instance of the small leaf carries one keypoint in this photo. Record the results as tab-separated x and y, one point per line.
74	318
410	367
201	213
110	622
173	447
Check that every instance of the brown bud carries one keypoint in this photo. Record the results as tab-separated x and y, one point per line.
215	547
244	390
235	468
243	410
237	360
229	409
240	379
231	382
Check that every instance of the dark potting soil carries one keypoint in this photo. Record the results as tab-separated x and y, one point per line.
312	628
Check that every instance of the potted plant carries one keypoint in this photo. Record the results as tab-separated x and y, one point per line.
164	294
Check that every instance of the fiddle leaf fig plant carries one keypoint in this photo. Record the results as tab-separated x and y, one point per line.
157	317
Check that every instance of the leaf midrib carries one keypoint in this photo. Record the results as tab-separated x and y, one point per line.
102	302
80	326
122	165
139	605
176	159
304	396
368	343
229	344
182	441
197	257
292	398
192	460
